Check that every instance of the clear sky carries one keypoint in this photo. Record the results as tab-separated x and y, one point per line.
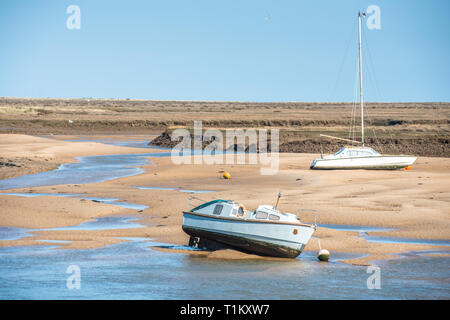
251	50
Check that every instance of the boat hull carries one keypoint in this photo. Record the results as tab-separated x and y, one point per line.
368	163
269	239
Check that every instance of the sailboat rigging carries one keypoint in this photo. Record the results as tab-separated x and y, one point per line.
361	157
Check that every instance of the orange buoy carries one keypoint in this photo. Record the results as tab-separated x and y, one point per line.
407	167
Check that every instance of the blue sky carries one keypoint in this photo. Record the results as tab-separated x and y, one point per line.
224	50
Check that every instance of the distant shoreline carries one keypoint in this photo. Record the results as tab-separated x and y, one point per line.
217	101
419	128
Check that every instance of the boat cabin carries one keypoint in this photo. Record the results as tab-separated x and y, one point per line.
353	152
231	209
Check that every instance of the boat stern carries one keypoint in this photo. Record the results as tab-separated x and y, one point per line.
411	160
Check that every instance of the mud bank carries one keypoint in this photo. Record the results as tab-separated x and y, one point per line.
430	147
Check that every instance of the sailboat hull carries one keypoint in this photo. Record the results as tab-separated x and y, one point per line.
368	163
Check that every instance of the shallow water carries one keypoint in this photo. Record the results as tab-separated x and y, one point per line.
360	229
132	143
133	270
432	242
363	232
104	223
94	169
90	169
112	201
120	143
9	233
87	170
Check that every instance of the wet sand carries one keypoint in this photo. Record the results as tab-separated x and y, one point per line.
30	154
414	203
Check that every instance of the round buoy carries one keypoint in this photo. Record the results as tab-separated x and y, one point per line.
323	255
407	168
226	175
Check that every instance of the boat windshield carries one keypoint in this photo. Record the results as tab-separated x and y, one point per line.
341	151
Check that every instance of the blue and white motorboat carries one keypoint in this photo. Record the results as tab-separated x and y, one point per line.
264	231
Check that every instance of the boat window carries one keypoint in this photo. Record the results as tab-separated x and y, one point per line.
218	209
365	153
340	152
274	217
261	215
359	153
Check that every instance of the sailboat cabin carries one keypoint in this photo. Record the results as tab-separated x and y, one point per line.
351	152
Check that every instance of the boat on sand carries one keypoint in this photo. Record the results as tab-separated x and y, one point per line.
354	157
264	231
360	156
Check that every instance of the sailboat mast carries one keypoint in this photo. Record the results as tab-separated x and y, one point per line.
360	77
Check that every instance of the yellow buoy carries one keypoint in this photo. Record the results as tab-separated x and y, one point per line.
226	175
323	255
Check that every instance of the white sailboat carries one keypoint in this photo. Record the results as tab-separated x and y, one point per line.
361	157
264	231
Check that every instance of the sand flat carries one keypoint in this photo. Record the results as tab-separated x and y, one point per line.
414	203
20	145
30	154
